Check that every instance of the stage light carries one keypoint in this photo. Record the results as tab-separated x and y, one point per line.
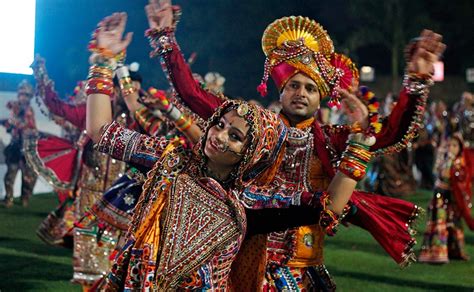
17	32
470	75
438	71
367	74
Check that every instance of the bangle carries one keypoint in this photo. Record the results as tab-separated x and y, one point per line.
161	40
100	86
173	113
183	123
417	84
99	80
100	71
354	160
102	61
125	82
161	96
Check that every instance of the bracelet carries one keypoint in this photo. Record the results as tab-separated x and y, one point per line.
101	61
173	113
354	160
100	71
147	120
183	123
161	40
161	96
125	82
417	84
100	86
99	80
169	109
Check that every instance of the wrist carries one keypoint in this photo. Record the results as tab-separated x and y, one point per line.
125	82
161	40
356	157
328	219
99	80
416	83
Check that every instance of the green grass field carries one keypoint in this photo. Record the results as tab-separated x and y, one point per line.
355	260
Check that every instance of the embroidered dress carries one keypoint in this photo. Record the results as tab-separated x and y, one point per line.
86	171
444	234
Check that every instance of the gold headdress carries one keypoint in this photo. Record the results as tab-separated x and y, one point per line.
297	44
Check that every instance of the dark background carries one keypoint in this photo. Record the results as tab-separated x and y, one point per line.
226	35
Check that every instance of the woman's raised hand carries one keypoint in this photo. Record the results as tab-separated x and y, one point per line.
110	33
159	14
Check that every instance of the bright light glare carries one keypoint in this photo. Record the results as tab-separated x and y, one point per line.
438	71
366	69
17	32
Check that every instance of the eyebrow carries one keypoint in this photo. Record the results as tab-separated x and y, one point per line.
235	128
303	83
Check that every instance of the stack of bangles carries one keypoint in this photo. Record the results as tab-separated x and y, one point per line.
99	80
354	160
125	82
181	121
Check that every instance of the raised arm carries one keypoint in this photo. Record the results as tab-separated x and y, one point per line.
108	47
75	114
157	104
402	125
162	19
110	137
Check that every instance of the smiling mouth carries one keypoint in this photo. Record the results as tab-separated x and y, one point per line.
217	146
299	103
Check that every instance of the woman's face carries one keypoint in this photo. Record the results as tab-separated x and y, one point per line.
226	141
453	147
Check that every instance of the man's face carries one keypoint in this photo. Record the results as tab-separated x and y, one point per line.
23	97
300	98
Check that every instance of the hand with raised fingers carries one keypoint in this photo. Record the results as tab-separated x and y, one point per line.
39	69
353	107
159	14
109	35
424	52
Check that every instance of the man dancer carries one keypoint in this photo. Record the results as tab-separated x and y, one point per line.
20	123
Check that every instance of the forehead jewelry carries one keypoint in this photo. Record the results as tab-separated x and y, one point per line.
243	109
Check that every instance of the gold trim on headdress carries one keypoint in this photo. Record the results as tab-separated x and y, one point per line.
296	28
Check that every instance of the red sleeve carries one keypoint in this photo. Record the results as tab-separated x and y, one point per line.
398	128
405	115
179	74
75	114
461	186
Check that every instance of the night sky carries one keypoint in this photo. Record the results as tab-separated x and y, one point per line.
226	35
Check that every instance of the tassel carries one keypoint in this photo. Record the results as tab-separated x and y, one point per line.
262	89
